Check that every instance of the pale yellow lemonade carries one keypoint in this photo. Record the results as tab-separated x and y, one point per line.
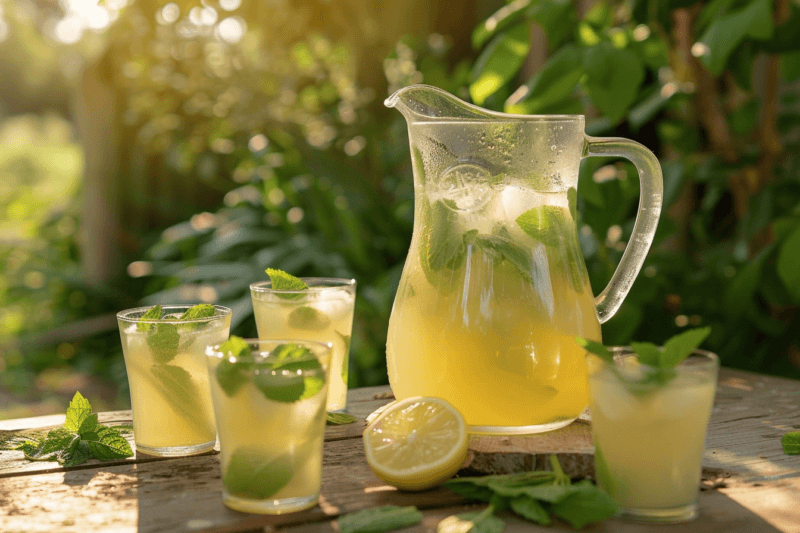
170	397
321	314
494	335
649	445
270	444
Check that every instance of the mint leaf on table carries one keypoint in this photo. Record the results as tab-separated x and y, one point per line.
309	318
791	443
530	509
154	313
289	387
80	439
338	419
252	474
474	522
109	444
379	519
585	504
79	410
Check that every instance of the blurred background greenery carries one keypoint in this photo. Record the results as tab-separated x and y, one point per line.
155	151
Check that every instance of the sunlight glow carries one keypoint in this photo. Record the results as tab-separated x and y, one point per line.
230	5
82	15
170	13
231	30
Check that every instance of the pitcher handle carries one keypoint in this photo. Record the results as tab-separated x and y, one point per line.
650	198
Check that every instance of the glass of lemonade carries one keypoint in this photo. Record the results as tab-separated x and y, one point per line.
270	409
649	433
168	378
322	313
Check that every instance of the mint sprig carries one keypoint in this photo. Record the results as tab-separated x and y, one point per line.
81	438
164	339
534	496
339	419
658	364
283	281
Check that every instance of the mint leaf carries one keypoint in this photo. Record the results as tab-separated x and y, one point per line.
232	376
235	347
281	281
597	349
477	488
379	519
530	509
585	504
346	352
572	202
649	353
252	474
545	492
79	410
309	318
79	455
602	472
88	424
791	443
289	387
441	245
198	311
163	342
500	247
175	385
475	522
154	313
546	224
108	444
50	448
338	419
681	346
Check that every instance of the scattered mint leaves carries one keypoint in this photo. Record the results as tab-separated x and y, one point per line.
791	443
474	522
658	364
339	419
252	474
379	519
535	496
80	439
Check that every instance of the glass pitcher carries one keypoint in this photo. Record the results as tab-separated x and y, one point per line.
494	289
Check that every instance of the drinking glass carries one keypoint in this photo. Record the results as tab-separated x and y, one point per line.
322	313
168	378
649	432
270	410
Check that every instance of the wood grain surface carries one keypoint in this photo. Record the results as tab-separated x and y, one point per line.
750	484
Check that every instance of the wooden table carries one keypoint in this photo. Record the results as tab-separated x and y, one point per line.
750	485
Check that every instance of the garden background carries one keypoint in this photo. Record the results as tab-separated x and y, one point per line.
155	151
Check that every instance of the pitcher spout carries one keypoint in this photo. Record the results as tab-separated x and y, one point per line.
424	103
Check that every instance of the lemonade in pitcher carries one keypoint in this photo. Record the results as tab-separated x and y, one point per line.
494	289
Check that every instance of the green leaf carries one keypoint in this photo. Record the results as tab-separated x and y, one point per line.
500	247
308	318
597	349
649	353
558	77
530	509
89	424
77	456
235	347
281	281
198	311
163	342
585	504
232	376
602	471
379	519
177	388
613	79
475	522
50	448
725	32
499	61
546	224
109	444
338	419
79	410
477	488
281	382
791	443
788	261
543	491
154	313
442	245
252	474
681	346
500	20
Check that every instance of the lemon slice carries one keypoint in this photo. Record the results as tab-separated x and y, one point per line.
416	443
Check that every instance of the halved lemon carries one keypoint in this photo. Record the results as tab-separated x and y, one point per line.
416	443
